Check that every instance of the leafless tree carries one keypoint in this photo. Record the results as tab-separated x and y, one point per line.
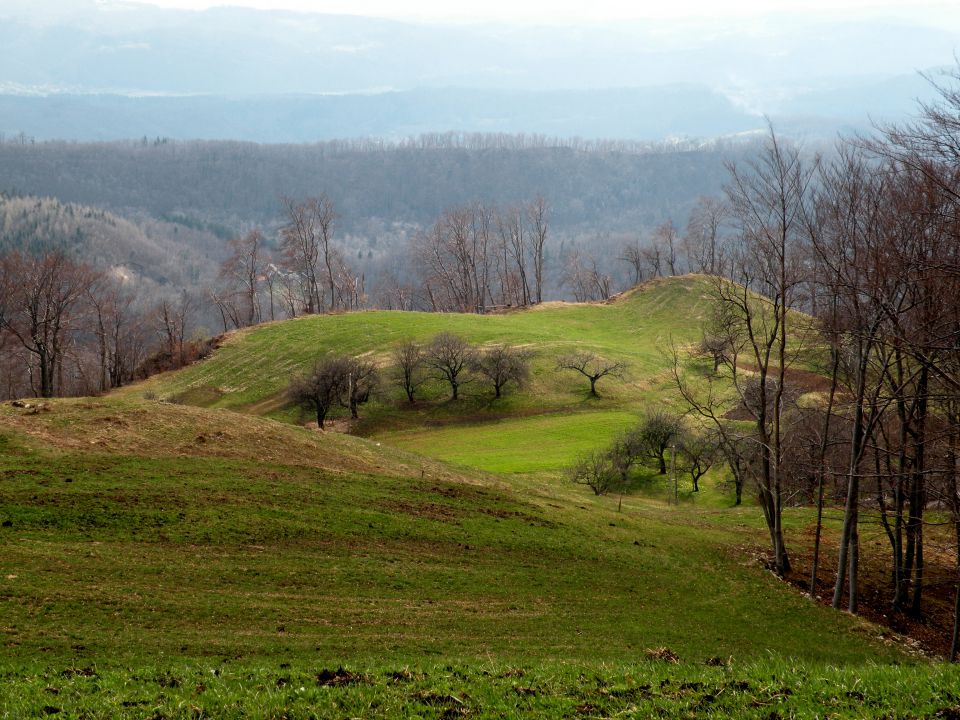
592	366
769	201
43	307
455	255
657	432
595	470
846	234
322	387
652	254
449	356
703	240
537	213
118	332
585	279
665	237
502	365
307	240
624	452
408	363
242	272
362	378
708	399
513	236
632	254
698	453
171	320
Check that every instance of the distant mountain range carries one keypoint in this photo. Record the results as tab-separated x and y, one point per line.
103	70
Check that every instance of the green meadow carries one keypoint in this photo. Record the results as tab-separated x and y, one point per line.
186	548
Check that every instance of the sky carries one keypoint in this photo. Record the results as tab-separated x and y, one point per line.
548	11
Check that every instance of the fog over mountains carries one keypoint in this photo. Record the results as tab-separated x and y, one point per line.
89	70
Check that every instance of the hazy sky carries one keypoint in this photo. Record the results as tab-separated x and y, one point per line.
594	10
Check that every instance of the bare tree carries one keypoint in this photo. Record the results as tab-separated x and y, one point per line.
408	362
698	452
171	320
502	365
455	257
657	432
117	327
769	204
624	452
362	379
305	241
42	309
585	279
632	254
708	398
537	213
847	234
449	356
652	254
514	238
322	387
665	237
242	271
702	240
595	470
592	366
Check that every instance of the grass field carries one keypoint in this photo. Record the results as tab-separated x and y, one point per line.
163	560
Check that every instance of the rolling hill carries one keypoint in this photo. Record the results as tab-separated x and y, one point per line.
251	370
185	548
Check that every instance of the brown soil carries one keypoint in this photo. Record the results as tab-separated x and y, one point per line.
929	634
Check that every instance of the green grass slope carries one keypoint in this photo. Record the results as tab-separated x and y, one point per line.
162	559
344	549
169	576
250	371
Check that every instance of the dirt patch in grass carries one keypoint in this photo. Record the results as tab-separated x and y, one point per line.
338	677
425	510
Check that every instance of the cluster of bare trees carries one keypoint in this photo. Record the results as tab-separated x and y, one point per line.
472	259
448	358
702	247
869	243
478	257
334	380
68	329
307	274
692	452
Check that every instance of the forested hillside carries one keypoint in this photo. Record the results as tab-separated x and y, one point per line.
148	253
591	187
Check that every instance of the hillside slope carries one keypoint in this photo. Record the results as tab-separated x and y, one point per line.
192	561
146	256
253	367
139	528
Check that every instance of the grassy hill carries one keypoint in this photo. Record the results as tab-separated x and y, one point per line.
250	372
166	560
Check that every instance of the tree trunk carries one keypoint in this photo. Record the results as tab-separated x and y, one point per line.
821	470
954	649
